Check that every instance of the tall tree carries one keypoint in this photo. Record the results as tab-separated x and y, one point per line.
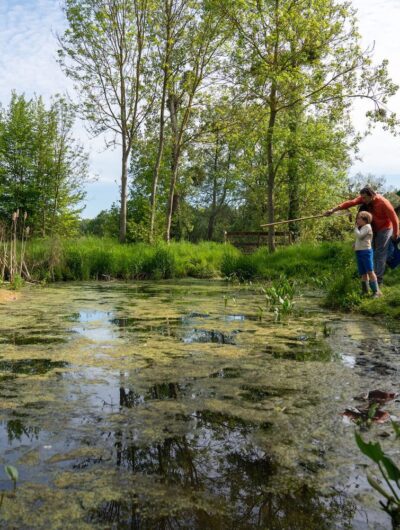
105	51
166	34
214	161
301	55
199	35
42	167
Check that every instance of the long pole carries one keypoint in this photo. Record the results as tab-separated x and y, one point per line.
302	219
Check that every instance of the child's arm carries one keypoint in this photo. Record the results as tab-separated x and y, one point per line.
363	232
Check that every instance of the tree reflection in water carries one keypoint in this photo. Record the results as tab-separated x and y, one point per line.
214	477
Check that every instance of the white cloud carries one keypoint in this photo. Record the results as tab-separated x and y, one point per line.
379	26
28	48
28	64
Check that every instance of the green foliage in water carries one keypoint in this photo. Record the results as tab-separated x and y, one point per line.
329	266
389	472
279	298
13	475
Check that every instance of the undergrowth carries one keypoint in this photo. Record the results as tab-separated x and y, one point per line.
103	259
327	266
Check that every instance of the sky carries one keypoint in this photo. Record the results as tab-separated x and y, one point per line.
28	45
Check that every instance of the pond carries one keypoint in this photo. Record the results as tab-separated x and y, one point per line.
172	405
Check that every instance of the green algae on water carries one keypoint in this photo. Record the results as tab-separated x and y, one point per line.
130	421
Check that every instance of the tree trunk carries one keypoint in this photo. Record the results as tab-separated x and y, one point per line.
157	166
214	209
124	182
271	172
211	226
293	180
176	142
171	201
156	173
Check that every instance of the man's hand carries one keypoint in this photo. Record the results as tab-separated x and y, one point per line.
329	212
395	238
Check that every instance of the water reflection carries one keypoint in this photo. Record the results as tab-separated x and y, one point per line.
30	366
216	480
162	391
16	430
213	336
212	477
150	421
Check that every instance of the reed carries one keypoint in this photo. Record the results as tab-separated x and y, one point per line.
13	244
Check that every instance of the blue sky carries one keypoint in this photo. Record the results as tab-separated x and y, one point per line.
28	64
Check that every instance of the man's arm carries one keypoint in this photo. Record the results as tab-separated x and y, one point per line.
345	205
393	217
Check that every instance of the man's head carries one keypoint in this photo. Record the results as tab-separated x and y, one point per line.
368	194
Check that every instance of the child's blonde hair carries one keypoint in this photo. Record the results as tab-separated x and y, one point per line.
366	216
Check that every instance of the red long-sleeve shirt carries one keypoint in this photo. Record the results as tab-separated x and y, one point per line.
384	216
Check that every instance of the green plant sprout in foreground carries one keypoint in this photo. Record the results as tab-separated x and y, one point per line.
279	299
12	473
390	473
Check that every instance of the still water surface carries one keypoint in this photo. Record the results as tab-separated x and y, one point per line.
171	405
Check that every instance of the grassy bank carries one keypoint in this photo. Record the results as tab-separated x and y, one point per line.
329	266
93	258
389	305
98	259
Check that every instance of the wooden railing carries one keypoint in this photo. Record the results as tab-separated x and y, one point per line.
250	240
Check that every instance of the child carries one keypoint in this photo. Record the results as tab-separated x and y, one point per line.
364	253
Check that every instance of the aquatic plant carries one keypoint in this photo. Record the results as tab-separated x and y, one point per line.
228	299
389	472
284	308
12	473
279	298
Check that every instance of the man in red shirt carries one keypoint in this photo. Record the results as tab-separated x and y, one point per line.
385	224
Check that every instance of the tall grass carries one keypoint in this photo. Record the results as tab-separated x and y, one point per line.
317	263
94	258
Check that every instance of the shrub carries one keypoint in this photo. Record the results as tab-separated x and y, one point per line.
344	293
161	265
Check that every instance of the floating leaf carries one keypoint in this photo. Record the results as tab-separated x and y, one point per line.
12	472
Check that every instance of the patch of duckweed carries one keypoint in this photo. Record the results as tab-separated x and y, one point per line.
304	351
214	433
228	373
30	366
257	393
21	339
